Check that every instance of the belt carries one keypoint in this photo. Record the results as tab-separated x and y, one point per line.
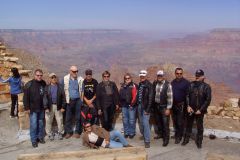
54	103
74	99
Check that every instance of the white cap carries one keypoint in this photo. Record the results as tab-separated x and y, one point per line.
143	73
160	73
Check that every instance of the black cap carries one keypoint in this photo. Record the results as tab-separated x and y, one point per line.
199	73
88	72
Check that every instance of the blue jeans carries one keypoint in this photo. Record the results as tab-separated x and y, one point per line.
129	120
36	125
144	124
114	136
73	109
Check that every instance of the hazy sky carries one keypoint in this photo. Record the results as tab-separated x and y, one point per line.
180	15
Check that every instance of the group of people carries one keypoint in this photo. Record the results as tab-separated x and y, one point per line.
81	105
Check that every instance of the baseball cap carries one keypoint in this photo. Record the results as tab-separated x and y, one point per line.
143	73
160	73
199	73
88	72
52	74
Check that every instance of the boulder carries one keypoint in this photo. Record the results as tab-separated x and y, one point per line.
11	59
7	54
234	102
236	118
237	114
229	114
25	72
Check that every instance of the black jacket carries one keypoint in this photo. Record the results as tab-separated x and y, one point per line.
199	96
147	95
126	94
33	95
103	100
61	99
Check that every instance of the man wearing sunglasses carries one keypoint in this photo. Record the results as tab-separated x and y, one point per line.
73	88
54	102
33	105
95	137
198	99
180	86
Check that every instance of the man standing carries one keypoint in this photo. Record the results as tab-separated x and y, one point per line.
144	101
179	86
54	101
89	110
198	100
33	105
162	94
73	87
107	101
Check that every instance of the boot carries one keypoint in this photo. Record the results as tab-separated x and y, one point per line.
165	142
198	142
185	140
177	140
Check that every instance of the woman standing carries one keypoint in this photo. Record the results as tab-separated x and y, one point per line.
15	82
128	93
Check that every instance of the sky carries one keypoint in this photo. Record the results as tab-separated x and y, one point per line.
162	15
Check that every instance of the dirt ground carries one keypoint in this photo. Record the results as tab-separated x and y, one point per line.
10	148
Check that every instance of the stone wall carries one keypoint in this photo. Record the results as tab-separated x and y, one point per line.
228	109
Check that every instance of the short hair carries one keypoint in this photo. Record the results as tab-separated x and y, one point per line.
38	70
178	68
106	72
127	74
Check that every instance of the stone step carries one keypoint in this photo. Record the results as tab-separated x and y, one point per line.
10	59
131	153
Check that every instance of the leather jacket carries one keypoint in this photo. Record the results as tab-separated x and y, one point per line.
147	95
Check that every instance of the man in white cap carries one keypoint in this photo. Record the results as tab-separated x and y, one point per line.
144	101
54	102
163	99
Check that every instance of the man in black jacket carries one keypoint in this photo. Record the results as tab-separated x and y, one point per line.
179	86
144	102
107	101
198	100
33	105
54	102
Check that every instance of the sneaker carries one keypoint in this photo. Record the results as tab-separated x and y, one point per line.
68	136
51	137
34	144
147	144
126	136
11	117
76	135
59	136
132	136
41	140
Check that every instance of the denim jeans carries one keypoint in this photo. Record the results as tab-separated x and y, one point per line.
129	120
144	124
114	136
36	125
73	109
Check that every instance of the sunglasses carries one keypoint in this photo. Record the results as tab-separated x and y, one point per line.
39	75
106	76
75	71
53	77
127	78
178	73
87	126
